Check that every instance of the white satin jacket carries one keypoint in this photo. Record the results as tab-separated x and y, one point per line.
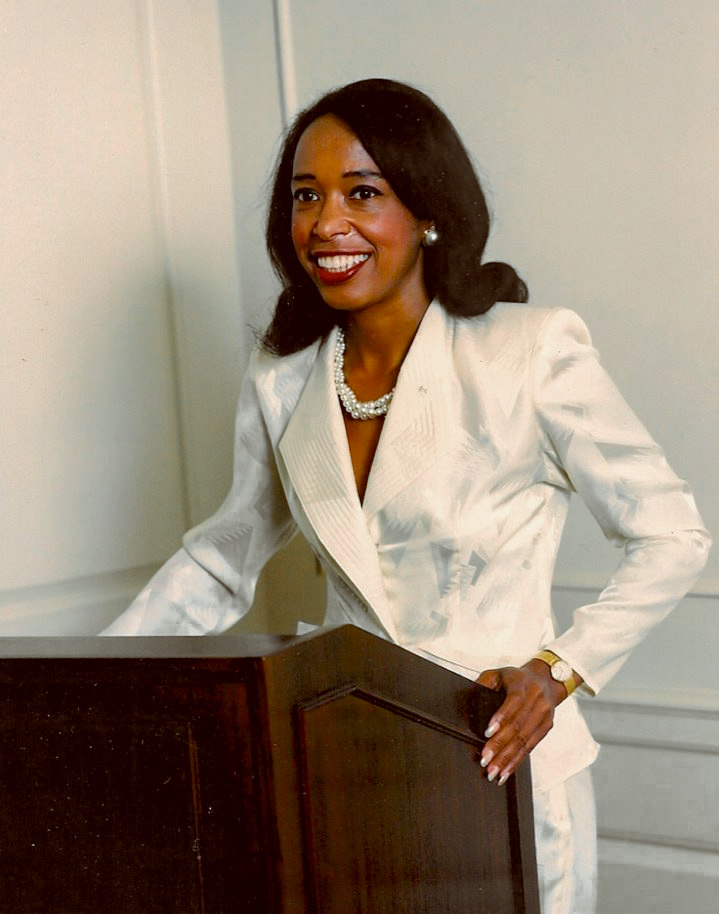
495	421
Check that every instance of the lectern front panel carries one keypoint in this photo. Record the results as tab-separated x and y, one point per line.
387	794
96	805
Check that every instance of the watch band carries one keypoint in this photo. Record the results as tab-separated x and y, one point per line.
561	671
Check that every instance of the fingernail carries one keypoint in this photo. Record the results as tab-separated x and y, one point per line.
493	772
503	779
491	729
487	757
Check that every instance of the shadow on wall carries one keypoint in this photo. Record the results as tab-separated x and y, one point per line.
291	589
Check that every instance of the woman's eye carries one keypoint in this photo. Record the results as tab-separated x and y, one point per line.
365	192
305	195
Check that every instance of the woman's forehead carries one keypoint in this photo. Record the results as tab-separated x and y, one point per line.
328	144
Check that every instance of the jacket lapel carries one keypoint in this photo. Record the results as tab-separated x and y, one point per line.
421	422
316	454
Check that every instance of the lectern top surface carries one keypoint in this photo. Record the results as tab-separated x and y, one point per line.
226	646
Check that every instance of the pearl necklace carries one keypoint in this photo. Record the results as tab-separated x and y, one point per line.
370	409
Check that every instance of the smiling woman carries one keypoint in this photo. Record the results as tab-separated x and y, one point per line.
425	429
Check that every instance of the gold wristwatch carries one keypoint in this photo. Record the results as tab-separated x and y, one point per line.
561	671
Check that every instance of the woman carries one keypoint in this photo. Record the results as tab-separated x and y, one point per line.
424	429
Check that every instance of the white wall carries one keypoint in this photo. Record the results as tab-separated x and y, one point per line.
136	139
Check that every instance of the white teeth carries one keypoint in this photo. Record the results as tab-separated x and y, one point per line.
340	263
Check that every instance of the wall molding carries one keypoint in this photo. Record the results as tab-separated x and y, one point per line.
637	724
640	877
657	776
593	584
286	69
680	845
186	99
157	158
78	606
667	702
672	670
634	854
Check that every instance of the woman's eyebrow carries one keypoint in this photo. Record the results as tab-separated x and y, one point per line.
359	173
362	173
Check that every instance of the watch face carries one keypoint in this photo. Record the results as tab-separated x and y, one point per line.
561	671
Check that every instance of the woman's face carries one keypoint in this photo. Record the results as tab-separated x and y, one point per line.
359	244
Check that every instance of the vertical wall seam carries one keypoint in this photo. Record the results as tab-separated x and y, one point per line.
157	155
285	59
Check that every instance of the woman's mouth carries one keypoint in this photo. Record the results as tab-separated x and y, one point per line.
336	268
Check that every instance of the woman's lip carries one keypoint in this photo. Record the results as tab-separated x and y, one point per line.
333	277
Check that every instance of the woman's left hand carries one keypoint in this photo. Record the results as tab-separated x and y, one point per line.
524	718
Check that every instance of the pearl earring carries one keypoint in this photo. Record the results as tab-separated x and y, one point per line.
430	236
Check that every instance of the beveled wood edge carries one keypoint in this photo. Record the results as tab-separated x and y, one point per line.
391	704
524	844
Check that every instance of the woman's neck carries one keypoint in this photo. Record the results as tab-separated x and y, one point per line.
377	342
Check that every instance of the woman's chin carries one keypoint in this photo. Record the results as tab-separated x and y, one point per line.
340	298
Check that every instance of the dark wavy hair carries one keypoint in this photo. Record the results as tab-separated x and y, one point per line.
422	157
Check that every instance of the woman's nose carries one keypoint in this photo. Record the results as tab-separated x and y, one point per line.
331	219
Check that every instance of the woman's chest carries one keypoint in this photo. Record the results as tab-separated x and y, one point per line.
363	436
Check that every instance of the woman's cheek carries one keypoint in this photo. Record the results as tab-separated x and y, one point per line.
298	230
300	237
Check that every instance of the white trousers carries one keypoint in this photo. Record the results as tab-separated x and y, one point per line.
566	837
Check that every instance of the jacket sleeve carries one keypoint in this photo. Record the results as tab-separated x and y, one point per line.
210	583
594	440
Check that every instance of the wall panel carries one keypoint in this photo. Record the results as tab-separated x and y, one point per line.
657	783
90	467
194	179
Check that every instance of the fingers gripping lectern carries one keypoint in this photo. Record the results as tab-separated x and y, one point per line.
330	774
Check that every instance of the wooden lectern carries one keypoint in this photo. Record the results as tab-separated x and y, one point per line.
330	774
